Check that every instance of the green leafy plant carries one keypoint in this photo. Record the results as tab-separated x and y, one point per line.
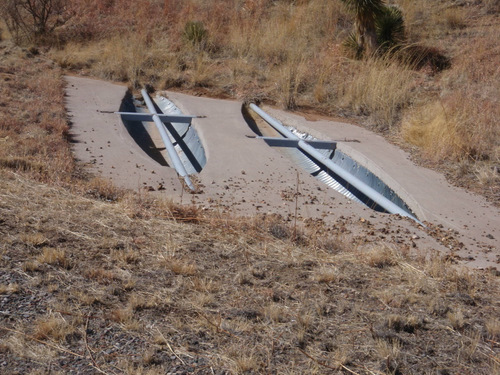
352	46
195	33
378	27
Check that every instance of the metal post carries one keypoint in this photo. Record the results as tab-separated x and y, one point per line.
176	161
349	178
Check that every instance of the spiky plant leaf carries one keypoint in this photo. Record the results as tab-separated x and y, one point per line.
390	27
351	44
195	32
366	11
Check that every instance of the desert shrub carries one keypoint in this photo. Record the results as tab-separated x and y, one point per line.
32	20
390	27
195	33
389	32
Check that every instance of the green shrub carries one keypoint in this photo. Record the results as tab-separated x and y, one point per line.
353	48
388	30
390	27
195	33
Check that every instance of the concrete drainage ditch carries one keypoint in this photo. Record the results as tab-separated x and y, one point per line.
331	166
173	141
165	134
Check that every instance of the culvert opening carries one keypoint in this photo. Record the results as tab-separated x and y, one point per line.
182	136
326	163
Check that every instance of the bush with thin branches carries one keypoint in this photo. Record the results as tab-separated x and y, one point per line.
32	20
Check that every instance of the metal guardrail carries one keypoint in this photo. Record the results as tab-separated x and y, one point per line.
352	180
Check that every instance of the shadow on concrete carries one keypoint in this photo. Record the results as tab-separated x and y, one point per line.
139	133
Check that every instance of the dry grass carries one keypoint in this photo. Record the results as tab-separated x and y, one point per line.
93	279
493	329
55	257
381	256
181	297
326	275
458	128
9	288
380	88
33	127
53	327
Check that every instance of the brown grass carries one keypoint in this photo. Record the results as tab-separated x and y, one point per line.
381	256
9	288
54	256
381	88
296	298
94	279
458	127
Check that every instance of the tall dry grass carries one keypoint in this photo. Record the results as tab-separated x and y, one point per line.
463	121
33	129
381	88
279	50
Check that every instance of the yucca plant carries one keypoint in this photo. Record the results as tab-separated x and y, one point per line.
195	32
352	46
390	27
366	13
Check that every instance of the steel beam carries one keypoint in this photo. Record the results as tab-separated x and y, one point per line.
287	142
138	116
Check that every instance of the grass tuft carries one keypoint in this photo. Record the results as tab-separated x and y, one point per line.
55	257
54	328
381	257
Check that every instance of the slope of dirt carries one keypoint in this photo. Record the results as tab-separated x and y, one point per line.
93	287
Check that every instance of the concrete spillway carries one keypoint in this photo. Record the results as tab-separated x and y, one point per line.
245	176
182	135
332	167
